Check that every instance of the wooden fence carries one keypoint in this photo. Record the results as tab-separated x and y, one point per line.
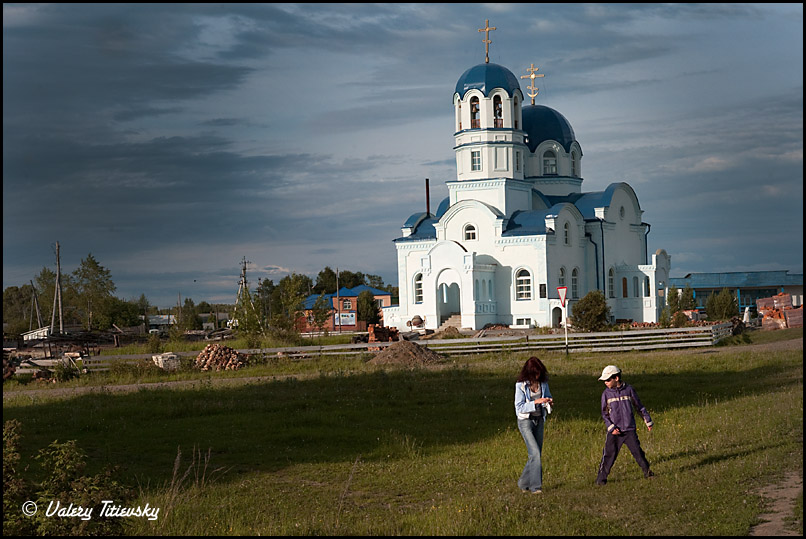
613	341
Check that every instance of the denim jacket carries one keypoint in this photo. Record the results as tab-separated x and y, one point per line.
525	401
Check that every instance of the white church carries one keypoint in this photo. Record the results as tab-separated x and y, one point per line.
517	225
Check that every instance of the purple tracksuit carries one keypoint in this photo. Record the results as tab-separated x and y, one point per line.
617	411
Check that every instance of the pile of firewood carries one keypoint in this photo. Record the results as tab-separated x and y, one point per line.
217	357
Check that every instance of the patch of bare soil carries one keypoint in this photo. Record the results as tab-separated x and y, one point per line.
780	500
406	354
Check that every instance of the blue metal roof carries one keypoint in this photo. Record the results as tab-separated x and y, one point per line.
345	292
485	78
739	279
542	123
527	223
587	203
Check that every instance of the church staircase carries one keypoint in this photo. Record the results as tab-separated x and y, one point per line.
454	320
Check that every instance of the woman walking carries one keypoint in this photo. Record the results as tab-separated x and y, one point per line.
532	403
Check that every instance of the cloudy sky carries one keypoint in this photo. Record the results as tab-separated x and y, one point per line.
171	141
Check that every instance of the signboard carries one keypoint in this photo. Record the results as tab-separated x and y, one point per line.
347	319
563	290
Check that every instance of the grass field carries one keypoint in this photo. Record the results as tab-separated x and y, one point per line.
359	450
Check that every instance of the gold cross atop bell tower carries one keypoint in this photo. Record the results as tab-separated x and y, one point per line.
486	40
532	76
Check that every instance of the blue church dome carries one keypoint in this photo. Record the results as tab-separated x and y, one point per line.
486	77
542	123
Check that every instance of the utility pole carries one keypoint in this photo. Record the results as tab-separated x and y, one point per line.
338	301
57	296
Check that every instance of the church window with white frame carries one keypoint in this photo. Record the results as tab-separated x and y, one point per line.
561	279
523	285
575	283
611	283
418	288
549	163
574	171
470	232
567	233
475	160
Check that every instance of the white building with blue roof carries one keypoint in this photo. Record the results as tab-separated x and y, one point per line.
517	225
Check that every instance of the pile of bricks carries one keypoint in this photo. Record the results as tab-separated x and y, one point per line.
778	313
381	334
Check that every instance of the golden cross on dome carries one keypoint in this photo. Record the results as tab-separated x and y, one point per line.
532	76
486	39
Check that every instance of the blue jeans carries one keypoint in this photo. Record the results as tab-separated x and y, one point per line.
532	432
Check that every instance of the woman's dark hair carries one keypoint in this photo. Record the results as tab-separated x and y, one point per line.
533	371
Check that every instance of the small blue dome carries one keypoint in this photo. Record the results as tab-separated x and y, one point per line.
542	123
486	77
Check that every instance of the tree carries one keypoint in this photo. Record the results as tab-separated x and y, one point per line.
673	299
687	301
321	312
262	300
367	308
287	301
325	282
17	309
591	313
118	312
93	284
188	316
722	306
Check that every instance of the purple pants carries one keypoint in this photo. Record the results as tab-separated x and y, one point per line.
612	447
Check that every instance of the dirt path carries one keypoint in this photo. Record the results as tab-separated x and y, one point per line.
781	505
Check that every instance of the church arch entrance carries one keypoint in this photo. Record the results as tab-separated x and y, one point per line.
556	317
448	295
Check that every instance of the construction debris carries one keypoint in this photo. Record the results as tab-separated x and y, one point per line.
777	312
406	354
217	357
376	333
167	361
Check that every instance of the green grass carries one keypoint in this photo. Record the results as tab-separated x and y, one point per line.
359	451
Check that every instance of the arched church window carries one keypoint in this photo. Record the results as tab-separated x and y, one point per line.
567	233
561	280
635	287
575	283
470	232
515	110
574	171
498	112
475	113
549	163
418	288
624	292
646	287
611	284
460	115
523	285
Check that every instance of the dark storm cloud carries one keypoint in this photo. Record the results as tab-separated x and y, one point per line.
167	136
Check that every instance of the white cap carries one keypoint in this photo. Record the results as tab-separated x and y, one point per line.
609	371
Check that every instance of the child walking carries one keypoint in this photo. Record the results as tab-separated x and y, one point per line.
618	400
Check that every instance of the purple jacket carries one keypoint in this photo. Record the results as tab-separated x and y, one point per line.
617	408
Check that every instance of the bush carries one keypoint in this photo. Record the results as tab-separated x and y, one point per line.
591	313
64	464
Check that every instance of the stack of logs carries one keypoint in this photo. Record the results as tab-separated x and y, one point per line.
217	357
778	312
